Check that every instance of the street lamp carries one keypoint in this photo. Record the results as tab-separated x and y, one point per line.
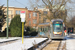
22	16
7	19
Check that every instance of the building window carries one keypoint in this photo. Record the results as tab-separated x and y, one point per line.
9	20
5	12
29	15
45	12
11	16
10	11
29	22
44	20
39	21
34	21
17	12
35	14
39	16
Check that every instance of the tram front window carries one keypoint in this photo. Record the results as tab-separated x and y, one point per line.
57	27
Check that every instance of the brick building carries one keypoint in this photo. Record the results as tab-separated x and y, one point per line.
42	17
32	19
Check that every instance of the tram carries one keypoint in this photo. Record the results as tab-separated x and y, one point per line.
55	29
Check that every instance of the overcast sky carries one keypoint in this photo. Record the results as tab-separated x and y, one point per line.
25	3
15	3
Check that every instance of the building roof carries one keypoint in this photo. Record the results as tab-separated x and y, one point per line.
15	7
43	9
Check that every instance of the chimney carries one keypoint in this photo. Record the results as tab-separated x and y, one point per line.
26	8
35	9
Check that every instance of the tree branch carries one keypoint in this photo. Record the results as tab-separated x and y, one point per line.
60	5
44	2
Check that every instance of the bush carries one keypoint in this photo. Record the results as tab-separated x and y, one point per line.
33	33
4	33
30	31
16	26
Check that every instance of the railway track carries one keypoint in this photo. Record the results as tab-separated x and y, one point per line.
56	45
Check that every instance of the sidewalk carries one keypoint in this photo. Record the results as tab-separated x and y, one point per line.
71	35
70	42
28	44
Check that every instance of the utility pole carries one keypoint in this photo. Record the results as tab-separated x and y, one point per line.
71	19
7	19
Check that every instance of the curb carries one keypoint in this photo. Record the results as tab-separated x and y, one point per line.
33	47
44	44
9	40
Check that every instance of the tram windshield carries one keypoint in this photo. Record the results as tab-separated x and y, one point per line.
57	27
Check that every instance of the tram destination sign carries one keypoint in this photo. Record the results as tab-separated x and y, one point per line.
57	22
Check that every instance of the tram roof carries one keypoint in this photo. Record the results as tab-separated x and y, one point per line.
44	24
57	20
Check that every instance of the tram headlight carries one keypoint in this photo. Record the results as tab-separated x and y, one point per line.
54	32
57	32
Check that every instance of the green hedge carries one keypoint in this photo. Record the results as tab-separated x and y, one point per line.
30	31
16	26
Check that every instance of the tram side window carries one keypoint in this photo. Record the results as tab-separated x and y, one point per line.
45	29
41	28
50	29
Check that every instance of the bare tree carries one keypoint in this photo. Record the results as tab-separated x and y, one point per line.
57	8
72	22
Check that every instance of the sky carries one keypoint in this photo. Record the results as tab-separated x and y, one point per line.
15	3
25	3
